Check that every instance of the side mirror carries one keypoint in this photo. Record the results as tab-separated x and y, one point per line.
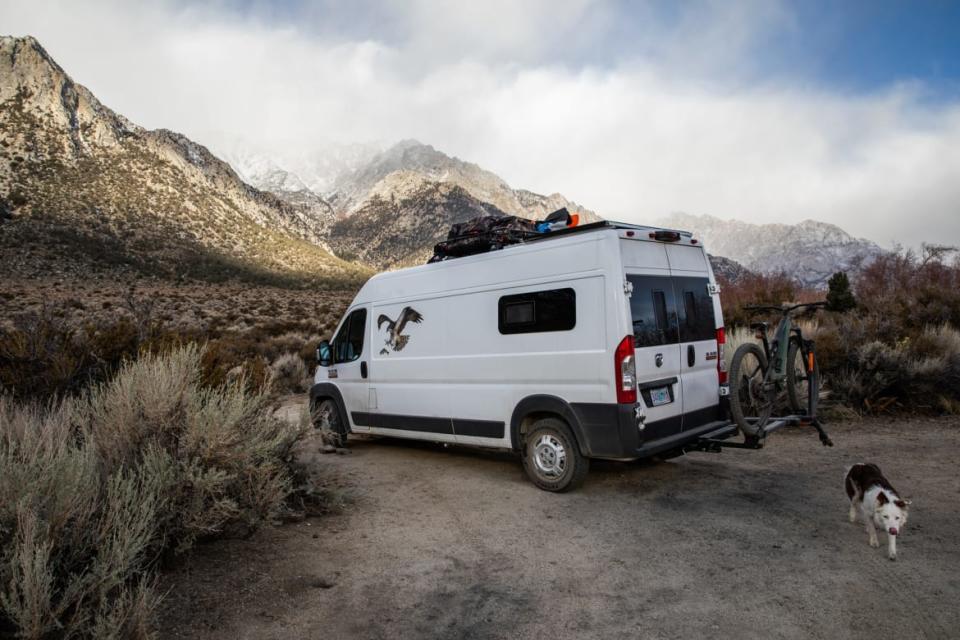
324	355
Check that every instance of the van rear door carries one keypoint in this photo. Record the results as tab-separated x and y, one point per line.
698	335
656	344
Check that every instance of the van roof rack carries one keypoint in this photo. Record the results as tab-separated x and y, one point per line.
603	224
516	234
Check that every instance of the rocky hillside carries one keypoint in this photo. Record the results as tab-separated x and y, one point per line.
353	189
810	251
727	269
85	188
401	221
389	208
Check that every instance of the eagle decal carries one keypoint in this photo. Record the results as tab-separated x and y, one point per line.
396	340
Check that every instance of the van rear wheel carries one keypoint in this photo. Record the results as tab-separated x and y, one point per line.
552	458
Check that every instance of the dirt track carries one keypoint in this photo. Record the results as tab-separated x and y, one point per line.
455	543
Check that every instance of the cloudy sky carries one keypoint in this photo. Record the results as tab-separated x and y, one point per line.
763	111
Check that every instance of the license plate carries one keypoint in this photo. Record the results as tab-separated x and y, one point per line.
659	396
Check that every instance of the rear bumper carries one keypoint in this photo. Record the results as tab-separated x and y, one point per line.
613	430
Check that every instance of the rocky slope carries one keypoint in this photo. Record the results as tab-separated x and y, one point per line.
351	190
86	188
401	221
388	209
726	269
810	251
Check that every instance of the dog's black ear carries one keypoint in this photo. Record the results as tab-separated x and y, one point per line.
882	498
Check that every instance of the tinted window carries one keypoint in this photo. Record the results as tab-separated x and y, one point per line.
696	313
538	311
348	344
653	311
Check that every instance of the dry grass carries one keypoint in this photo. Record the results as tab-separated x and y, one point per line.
59	336
95	490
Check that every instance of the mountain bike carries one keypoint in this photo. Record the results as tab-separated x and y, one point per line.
762	374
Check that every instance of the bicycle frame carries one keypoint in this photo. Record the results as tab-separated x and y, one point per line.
777	354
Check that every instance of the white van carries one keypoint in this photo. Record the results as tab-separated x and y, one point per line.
601	341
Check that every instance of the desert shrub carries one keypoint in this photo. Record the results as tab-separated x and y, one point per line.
757	288
288	374
898	351
96	490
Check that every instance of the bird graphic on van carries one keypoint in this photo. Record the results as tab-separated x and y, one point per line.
396	339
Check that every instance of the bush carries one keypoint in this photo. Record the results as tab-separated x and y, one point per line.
95	491
289	374
900	350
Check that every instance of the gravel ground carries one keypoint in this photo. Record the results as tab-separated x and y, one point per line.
455	543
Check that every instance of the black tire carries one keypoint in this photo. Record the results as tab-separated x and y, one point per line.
748	397
798	378
551	456
326	418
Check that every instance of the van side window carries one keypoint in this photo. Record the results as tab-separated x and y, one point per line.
538	311
697	321
653	311
348	343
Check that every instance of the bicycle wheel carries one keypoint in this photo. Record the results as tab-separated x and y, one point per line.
750	402
801	379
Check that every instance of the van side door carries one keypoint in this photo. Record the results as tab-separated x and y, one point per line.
653	314
349	371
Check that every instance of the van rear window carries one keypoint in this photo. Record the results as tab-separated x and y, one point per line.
668	310
538	311
653	311
697	321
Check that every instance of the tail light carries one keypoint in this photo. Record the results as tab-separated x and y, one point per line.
626	371
721	360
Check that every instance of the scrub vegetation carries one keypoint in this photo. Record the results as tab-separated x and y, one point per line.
99	490
893	344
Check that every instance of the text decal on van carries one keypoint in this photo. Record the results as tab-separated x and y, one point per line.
396	339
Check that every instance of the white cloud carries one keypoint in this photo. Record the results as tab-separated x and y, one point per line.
676	120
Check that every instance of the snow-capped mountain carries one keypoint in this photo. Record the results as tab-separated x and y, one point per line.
353	188
810	251
283	170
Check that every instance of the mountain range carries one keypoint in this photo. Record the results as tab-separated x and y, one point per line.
82	188
810	251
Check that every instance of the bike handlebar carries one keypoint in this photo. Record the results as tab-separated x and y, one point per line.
783	308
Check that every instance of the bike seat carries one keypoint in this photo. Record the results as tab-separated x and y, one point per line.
759	326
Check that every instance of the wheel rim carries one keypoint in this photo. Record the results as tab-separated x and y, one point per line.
549	456
326	420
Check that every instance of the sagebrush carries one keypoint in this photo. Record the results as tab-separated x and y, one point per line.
96	490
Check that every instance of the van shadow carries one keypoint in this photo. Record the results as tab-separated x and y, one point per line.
689	474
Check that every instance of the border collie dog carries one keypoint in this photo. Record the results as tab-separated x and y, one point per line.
879	504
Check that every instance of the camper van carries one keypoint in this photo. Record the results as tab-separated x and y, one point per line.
601	341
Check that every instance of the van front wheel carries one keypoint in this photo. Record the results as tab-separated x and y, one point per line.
551	457
326	418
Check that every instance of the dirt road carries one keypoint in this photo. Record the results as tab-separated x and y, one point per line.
455	543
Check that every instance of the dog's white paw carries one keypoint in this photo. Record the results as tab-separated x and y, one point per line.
892	556
874	542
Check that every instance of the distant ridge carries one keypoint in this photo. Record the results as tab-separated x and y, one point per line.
810	251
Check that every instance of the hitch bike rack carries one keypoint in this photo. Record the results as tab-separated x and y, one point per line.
716	440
